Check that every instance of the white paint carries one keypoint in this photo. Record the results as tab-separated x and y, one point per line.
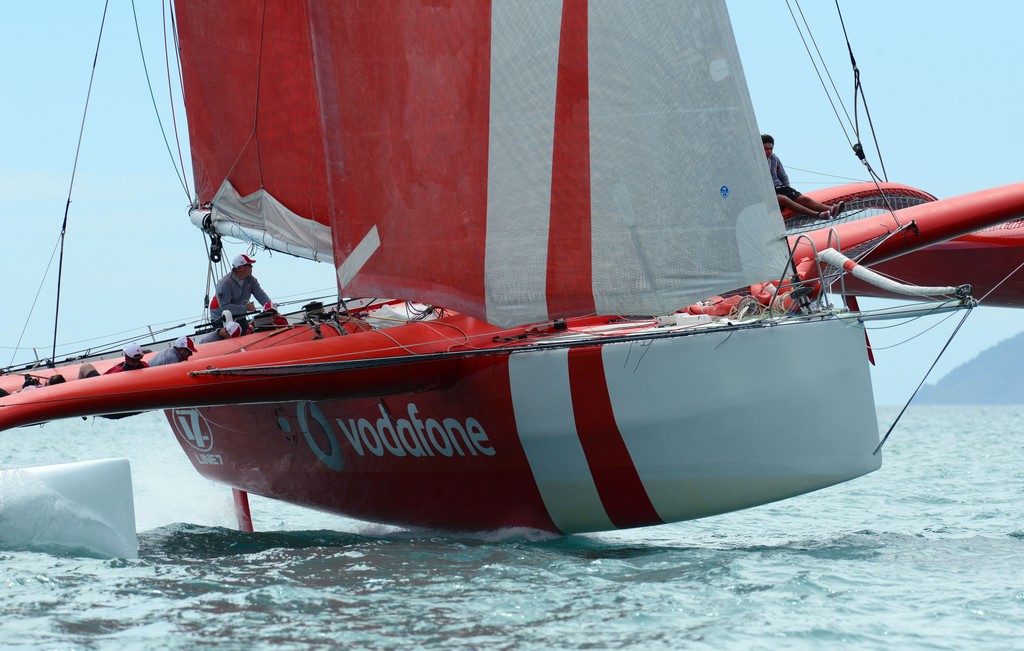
542	401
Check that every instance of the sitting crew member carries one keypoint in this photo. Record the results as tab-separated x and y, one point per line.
229	331
235	291
789	197
132	360
30	383
179	352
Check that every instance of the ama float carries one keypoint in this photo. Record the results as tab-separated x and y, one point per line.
557	187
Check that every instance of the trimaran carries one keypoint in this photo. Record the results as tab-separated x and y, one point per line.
560	187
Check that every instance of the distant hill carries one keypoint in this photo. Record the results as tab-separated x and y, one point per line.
994	377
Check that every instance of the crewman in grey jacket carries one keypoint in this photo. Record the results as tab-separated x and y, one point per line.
235	292
179	352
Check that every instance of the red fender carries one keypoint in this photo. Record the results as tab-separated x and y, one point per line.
715	306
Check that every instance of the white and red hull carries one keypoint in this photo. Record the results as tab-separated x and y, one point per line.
565	436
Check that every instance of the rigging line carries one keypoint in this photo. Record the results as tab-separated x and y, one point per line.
831	176
35	300
874	135
252	134
170	99
858	86
210	281
256	109
177	49
908	339
314	135
821	58
996	286
71	185
930	368
857	148
817	72
149	85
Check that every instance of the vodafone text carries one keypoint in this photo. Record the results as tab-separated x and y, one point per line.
416	437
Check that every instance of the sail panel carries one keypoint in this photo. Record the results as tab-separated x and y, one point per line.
517	161
681	194
524	65
535	160
253	118
403	90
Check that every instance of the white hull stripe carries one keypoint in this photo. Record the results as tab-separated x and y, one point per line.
542	402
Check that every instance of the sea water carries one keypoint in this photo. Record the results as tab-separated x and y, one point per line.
926	553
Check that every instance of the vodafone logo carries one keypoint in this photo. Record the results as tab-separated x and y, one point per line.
190	425
413	437
331	458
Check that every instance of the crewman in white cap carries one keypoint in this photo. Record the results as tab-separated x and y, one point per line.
132	360
235	291
180	351
229	331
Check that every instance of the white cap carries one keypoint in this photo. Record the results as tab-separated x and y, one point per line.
233	328
133	350
241	261
185	342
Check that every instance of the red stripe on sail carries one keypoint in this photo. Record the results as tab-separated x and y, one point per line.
622	493
569	283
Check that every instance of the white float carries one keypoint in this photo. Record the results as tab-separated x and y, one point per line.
84	508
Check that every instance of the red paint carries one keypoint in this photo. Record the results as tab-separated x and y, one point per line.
404	97
569	279
242	511
264	450
622	492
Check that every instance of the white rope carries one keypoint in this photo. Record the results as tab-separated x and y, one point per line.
838	260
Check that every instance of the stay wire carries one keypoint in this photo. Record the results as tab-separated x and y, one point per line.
858	149
996	286
71	185
42	281
156	110
814	64
256	108
170	94
921	384
858	88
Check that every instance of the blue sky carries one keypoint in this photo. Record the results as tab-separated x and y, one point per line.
942	81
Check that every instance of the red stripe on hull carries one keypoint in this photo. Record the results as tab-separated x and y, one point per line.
569	282
622	493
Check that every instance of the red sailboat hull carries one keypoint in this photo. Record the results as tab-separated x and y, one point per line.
456	424
569	438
